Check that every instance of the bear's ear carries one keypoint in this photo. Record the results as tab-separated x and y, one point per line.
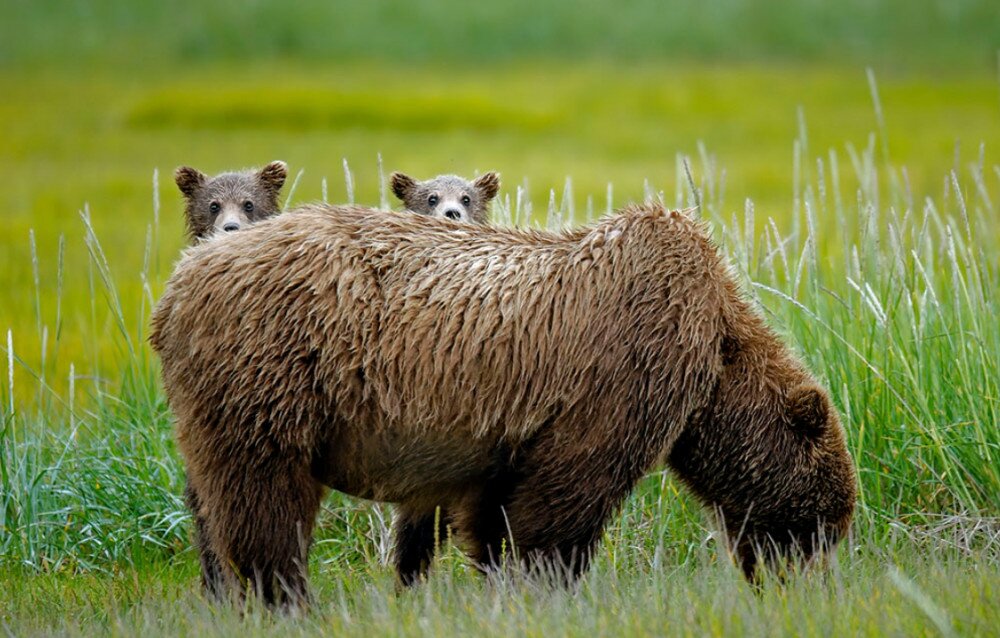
189	180
402	185
272	177
487	184
808	409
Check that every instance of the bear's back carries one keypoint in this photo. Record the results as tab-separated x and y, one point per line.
409	322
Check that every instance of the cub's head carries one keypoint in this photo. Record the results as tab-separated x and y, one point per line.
768	454
448	196
230	201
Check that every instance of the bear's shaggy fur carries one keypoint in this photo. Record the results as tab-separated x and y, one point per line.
448	196
521	381
229	201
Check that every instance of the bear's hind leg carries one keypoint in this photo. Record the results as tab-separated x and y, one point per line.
553	502
417	535
211	569
261	514
482	518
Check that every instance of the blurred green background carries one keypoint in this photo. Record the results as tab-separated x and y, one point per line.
97	95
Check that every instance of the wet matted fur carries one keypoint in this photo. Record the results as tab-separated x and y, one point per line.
522	381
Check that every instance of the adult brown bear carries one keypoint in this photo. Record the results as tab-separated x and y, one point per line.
225	203
521	381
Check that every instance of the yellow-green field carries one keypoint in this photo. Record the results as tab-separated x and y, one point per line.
94	139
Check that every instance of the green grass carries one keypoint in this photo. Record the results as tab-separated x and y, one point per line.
872	592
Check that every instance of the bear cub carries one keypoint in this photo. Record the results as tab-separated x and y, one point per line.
229	201
448	196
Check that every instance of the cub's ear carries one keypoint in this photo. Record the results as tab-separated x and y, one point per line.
189	180
488	184
272	176
402	185
808	409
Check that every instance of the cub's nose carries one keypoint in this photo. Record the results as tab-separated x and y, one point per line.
230	227
452	214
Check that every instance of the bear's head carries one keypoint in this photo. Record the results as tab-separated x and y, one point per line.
768	455
448	196
230	201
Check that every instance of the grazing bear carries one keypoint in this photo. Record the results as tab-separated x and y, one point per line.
448	196
230	201
522	381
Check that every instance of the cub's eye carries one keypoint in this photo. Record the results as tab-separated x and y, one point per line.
466	200
248	206
214	207
433	200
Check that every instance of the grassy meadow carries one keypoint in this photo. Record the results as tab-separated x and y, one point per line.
860	207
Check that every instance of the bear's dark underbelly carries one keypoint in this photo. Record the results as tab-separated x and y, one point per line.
411	467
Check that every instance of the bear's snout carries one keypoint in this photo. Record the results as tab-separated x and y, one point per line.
452	214
231	226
